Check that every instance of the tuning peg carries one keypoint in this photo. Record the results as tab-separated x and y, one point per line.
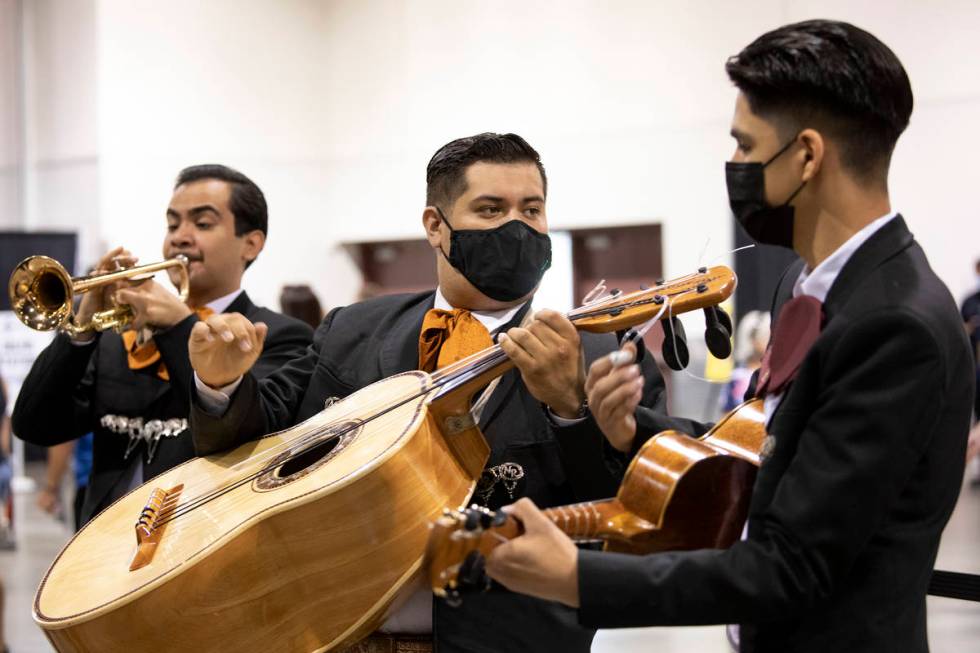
675	350
725	319
452	597
473	573
472	521
486	519
717	336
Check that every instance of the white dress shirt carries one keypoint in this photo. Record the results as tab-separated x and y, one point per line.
817	283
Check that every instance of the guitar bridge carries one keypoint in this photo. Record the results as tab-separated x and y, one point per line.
148	531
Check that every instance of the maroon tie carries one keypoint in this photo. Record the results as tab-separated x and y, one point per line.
797	327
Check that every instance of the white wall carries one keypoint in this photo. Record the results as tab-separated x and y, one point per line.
10	115
334	108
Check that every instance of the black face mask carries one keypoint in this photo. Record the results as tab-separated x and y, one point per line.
505	263
771	225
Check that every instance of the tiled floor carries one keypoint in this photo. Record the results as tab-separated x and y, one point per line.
954	626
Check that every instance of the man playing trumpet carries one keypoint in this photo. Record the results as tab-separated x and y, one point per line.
133	389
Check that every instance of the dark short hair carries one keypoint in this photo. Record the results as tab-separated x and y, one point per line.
445	175
834	77
247	202
301	302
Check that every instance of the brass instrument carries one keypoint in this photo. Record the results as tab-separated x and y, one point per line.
42	291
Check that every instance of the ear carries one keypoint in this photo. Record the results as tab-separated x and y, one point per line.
252	243
813	151
432	223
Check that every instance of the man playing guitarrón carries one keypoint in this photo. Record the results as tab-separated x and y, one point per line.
485	220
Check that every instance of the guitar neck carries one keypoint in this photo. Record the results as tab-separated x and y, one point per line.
592	520
597	520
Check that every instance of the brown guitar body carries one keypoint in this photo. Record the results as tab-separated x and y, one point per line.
679	493
302	565
693	492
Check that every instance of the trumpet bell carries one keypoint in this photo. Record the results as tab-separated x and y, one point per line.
40	292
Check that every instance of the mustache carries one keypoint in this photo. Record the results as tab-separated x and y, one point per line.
191	256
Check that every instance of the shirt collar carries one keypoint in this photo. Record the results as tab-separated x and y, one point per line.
221	303
817	283
492	320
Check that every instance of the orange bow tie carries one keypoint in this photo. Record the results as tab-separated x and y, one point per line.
450	336
141	356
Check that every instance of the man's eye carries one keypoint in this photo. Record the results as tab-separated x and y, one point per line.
171	227
534	211
490	210
204	226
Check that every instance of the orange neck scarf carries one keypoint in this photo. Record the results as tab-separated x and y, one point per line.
141	356
450	336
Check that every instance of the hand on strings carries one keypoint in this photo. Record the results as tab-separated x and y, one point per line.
100	298
543	562
224	347
614	388
548	354
153	305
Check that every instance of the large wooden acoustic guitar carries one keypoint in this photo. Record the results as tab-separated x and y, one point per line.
679	493
303	540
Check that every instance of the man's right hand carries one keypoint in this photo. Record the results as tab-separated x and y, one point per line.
614	387
224	347
100	298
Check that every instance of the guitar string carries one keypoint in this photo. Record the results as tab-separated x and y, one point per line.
495	355
492	357
492	354
461	373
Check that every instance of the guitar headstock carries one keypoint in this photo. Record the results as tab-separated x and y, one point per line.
617	311
459	542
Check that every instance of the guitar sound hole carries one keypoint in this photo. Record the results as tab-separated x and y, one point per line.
307	458
298	463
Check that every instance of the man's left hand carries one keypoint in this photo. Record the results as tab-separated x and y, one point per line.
543	562
153	305
548	354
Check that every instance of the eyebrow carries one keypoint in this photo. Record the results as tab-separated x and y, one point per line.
197	210
499	200
740	135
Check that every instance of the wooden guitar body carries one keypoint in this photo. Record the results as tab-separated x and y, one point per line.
679	493
301	563
694	492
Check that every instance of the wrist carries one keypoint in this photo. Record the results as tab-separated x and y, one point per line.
218	383
571	409
174	317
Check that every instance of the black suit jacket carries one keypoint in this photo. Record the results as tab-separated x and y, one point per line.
366	342
847	512
70	388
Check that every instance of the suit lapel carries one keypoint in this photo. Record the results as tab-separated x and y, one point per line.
242	304
883	244
508	382
400	350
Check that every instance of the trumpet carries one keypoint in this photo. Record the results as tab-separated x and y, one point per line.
42	293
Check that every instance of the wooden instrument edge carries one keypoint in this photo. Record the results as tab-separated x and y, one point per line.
59	623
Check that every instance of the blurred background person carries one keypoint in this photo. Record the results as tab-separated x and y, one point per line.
301	303
7	541
751	339
74	457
